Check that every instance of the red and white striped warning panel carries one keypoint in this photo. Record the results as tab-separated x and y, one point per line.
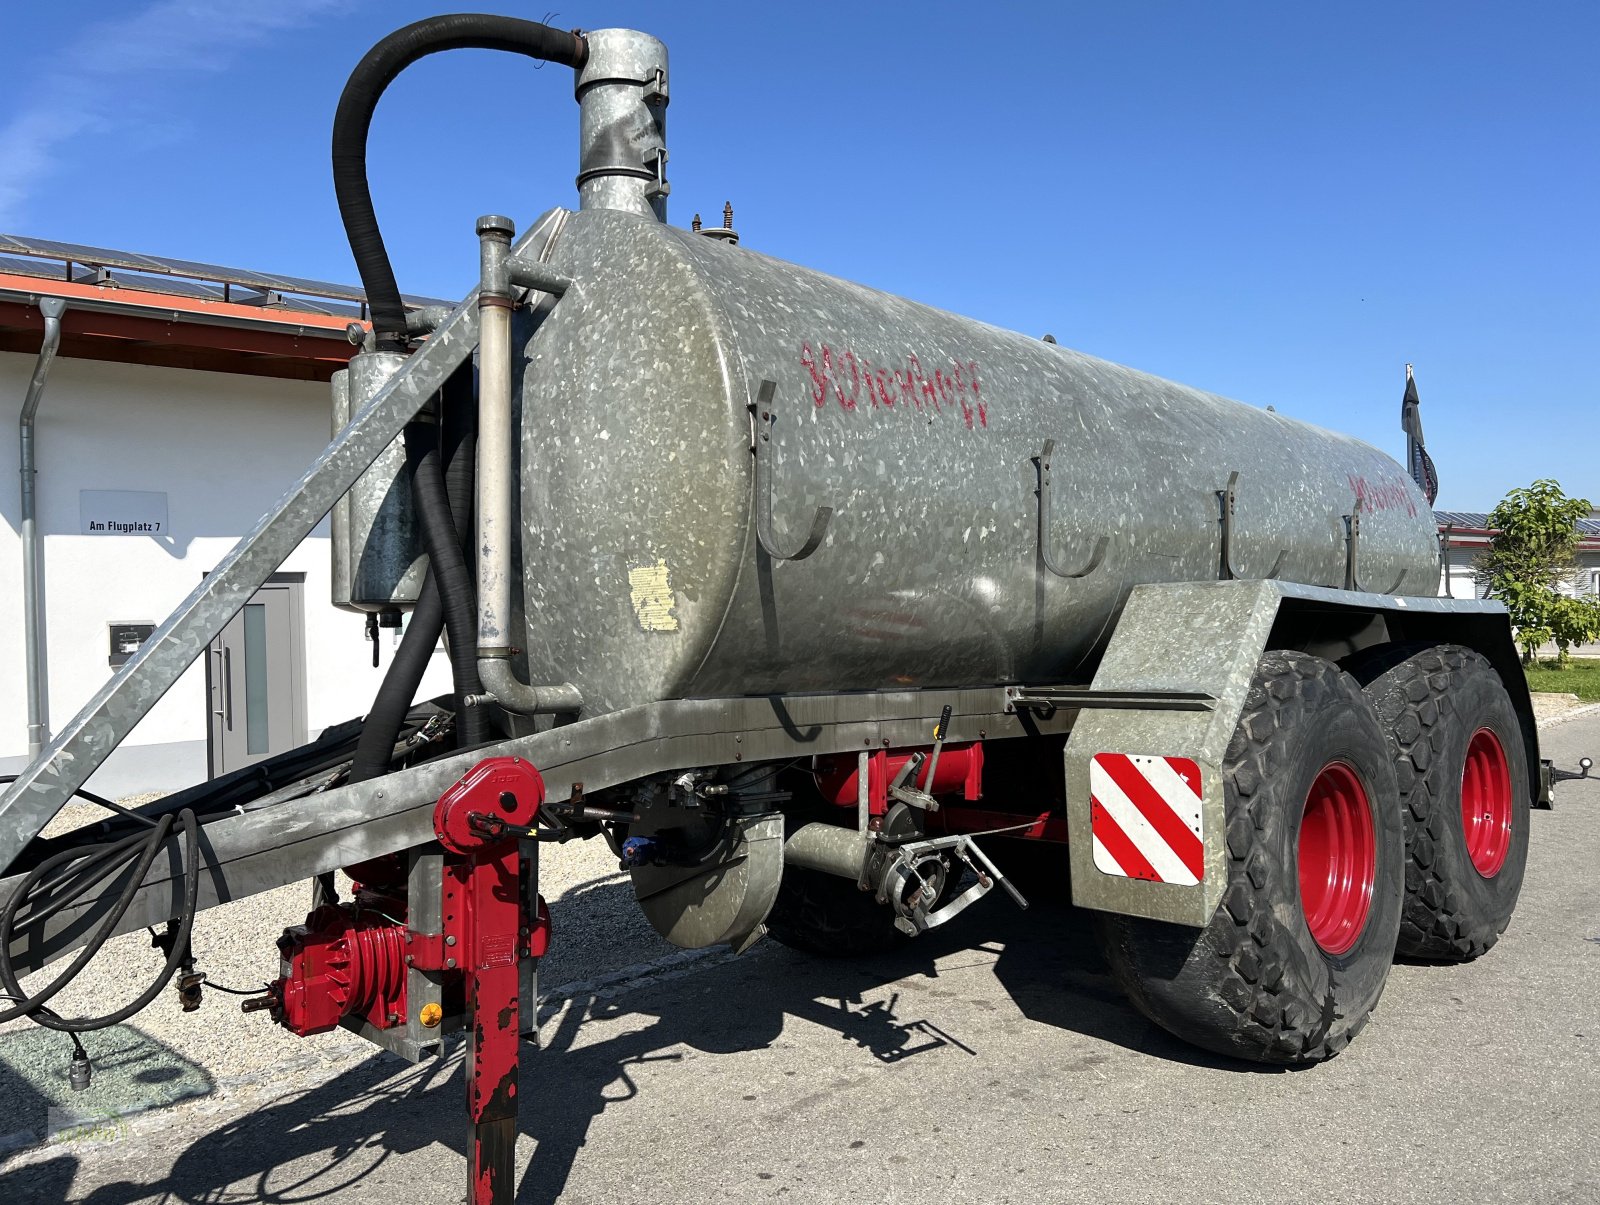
1145	816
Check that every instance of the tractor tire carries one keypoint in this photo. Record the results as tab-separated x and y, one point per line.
1294	959
824	914
1462	772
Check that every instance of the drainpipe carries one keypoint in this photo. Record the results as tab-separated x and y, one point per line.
32	616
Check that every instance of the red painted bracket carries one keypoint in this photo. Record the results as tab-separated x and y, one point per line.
504	789
485	937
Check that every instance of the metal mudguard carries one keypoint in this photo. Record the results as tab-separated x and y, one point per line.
1205	638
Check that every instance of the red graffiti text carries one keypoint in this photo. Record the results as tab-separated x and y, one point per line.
855	383
1383	497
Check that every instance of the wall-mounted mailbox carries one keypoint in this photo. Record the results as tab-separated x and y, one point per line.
126	639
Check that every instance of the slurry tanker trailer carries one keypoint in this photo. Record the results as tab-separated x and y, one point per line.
804	596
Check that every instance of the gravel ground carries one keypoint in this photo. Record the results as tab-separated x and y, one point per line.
1550	708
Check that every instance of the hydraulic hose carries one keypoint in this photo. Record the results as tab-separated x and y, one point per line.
381	731
93	858
353	120
451	578
458	436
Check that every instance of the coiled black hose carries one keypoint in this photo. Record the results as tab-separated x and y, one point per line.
353	120
85	867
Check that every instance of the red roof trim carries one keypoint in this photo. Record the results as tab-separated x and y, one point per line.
175	309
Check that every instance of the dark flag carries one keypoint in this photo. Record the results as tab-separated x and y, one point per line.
1417	458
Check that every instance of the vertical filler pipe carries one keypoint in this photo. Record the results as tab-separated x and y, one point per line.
494	438
496	524
33	629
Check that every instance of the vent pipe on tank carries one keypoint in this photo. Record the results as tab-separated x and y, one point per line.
622	124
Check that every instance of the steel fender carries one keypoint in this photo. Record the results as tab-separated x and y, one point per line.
1200	637
1206	637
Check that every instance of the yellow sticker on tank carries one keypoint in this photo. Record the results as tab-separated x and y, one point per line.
650	588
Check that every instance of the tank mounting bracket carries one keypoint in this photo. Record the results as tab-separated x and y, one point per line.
765	417
1046	513
1227	500
1352	550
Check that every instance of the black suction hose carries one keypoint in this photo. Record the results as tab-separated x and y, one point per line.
381	730
450	576
458	405
353	119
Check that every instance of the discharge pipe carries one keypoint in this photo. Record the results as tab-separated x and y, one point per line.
499	272
32	587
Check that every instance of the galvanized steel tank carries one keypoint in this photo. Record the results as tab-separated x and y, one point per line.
642	570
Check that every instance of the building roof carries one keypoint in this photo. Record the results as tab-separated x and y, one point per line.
133	308
1470	529
1478	521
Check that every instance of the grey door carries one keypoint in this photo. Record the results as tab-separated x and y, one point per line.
255	678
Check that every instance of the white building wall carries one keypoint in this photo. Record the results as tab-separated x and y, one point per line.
222	447
1461	579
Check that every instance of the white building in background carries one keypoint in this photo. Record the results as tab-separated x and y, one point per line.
183	402
1466	537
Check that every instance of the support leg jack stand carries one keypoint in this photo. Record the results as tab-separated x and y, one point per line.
486	939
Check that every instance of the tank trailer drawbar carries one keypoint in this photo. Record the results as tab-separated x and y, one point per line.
815	603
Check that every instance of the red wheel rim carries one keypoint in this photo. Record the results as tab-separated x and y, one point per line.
1338	858
1486	803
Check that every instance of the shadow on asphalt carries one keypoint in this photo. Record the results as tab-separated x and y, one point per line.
347	1128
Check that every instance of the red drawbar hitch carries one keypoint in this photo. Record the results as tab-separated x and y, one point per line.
350	960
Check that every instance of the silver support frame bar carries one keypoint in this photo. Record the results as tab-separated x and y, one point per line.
80	748
257	847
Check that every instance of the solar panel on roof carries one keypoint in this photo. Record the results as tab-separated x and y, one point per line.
79	253
164	284
102	257
19	267
1480	520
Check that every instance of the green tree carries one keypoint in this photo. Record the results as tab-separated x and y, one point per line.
1535	546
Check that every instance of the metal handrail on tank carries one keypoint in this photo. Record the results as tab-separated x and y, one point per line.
1228	571
765	417
1046	513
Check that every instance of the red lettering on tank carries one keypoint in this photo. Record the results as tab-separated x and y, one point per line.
832	379
819	383
854	398
905	386
880	385
1382	496
852	379
926	385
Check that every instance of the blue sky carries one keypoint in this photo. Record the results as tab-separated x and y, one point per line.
1281	203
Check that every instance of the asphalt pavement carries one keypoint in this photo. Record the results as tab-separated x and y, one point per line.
990	1061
